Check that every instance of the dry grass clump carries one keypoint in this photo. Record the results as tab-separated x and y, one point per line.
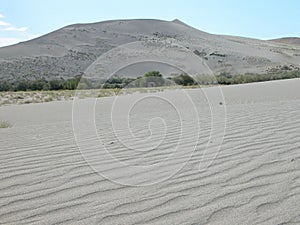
5	124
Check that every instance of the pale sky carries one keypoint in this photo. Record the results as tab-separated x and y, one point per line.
265	19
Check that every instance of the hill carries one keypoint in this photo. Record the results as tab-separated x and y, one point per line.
67	52
288	40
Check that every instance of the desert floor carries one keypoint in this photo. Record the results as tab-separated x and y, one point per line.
173	157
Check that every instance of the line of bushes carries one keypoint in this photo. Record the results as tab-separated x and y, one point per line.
150	79
227	78
39	84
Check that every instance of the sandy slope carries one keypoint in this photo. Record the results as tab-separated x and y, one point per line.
70	50
253	180
288	40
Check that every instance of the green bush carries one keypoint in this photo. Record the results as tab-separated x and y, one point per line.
184	80
153	74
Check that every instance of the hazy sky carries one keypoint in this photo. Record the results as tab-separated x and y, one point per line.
24	19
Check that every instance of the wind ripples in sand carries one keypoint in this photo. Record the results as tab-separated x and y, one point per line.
253	180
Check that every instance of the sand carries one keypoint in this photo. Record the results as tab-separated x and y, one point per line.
252	179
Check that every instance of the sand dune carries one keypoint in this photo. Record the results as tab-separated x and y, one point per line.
254	178
70	50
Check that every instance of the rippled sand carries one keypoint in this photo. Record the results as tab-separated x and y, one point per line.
253	178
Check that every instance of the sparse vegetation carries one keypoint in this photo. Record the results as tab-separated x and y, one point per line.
37	91
39	84
150	82
150	79
5	124
227	78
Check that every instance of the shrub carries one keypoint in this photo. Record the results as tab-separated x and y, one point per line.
184	80
153	74
5	124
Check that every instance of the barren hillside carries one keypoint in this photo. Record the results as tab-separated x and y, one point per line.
70	50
